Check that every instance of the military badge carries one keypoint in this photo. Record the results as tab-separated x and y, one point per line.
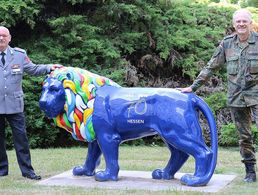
16	68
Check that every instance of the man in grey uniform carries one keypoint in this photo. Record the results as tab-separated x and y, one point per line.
13	63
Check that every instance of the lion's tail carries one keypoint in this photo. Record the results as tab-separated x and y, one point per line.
205	109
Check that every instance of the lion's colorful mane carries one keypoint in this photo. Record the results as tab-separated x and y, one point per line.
80	89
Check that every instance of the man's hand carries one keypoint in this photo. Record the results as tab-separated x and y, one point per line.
186	89
54	66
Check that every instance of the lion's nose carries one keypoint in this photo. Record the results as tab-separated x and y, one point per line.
43	102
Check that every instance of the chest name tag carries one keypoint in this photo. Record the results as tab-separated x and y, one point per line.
16	71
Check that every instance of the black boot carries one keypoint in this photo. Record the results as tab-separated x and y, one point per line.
250	173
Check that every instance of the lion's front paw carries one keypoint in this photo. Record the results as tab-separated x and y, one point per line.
161	174
80	170
105	176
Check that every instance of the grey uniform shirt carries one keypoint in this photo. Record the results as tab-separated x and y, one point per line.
11	93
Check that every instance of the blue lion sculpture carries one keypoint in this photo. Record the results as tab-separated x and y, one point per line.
96	109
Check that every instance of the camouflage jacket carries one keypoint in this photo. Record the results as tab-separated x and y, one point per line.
241	61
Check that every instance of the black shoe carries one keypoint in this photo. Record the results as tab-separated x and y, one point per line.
32	176
250	173
250	177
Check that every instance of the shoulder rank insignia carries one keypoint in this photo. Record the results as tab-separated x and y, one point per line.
19	50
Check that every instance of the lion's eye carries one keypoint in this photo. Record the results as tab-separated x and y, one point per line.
53	88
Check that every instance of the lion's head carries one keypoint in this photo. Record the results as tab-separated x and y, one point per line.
52	100
68	97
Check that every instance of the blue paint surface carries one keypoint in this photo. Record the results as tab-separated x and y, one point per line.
122	114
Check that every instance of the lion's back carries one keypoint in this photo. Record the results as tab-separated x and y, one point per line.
141	109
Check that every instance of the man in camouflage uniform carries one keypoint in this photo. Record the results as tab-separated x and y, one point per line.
239	52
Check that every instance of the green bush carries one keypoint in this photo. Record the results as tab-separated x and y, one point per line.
14	12
104	36
229	135
216	101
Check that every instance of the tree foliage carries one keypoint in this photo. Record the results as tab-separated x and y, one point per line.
15	11
162	43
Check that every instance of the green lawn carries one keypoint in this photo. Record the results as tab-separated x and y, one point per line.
49	162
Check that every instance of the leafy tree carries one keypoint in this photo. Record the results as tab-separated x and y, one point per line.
248	3
15	11
162	43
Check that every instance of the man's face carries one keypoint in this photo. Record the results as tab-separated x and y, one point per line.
5	38
242	23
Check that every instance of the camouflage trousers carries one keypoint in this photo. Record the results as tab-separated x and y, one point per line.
243	121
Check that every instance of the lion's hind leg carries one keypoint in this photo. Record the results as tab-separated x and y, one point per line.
203	158
194	145
91	162
177	159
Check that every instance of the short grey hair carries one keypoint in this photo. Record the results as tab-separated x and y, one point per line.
248	13
5	29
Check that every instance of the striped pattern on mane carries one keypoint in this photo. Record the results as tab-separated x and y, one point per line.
80	90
